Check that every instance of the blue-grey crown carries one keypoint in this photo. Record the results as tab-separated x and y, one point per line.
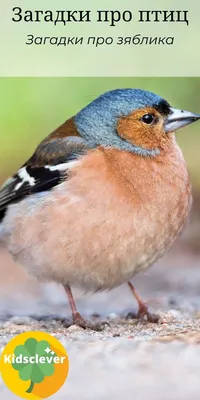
98	120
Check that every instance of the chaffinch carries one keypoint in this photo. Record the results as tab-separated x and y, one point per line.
103	196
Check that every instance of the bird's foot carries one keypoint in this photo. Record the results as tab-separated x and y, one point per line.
143	314
78	320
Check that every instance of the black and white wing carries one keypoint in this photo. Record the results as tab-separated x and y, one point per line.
48	167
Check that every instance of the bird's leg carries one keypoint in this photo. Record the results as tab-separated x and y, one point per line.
76	316
142	307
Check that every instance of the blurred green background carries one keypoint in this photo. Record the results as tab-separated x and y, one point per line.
30	108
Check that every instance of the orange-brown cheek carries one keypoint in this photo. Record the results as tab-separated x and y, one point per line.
146	136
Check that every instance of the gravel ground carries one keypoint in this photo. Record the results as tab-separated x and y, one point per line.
148	361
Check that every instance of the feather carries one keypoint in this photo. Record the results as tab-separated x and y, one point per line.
48	167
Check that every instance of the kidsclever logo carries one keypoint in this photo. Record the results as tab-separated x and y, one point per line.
34	365
34	360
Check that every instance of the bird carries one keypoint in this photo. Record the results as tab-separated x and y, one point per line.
103	196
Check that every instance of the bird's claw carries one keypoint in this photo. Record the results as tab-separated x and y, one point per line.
143	315
148	317
78	320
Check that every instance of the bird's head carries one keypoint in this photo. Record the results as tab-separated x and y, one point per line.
133	120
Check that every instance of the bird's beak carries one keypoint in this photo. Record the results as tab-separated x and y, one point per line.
179	118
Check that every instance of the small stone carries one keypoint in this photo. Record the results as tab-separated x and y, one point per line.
95	315
172	302
74	329
112	316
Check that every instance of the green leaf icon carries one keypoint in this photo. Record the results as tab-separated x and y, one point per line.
26	372
41	347
34	361
30	345
47	369
37	376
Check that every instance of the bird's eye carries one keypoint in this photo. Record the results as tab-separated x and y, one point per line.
147	118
